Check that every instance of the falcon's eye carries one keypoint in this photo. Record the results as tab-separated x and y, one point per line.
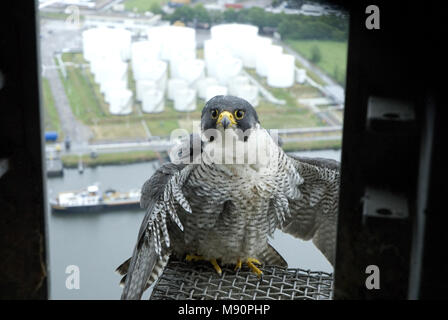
239	114
214	114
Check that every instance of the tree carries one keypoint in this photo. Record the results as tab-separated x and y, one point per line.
257	16
184	14
156	8
201	14
316	55
290	29
230	15
216	16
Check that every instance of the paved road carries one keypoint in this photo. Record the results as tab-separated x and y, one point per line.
56	36
325	115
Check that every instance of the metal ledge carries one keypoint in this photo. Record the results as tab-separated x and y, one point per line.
199	281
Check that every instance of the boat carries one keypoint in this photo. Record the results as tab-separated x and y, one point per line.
93	199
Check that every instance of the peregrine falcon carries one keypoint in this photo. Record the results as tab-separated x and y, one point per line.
227	192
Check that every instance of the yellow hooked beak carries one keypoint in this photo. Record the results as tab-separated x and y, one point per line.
225	119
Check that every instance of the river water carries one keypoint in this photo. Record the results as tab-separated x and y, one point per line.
97	243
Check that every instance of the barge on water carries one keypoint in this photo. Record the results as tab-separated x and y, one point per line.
92	199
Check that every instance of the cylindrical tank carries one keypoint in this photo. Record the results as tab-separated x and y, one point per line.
154	70
213	91
251	48
152	101
173	39
203	84
249	93
111	86
227	69
114	42
264	58
124	37
228	33
235	84
214	52
142	86
238	38
175	85
191	71
185	100
301	75
281	71
177	60
110	70
143	51
120	102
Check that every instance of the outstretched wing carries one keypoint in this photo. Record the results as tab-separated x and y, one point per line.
162	198
314	214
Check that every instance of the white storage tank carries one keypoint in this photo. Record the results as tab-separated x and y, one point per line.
281	71
233	34
240	39
236	83
109	86
191	71
174	86
143	51
142	86
156	35
120	102
213	91
203	84
178	60
214	52
264	58
227	69
249	93
154	70
111	41
153	101
106	64
110	71
301	75
173	39
251	48
122	38
185	100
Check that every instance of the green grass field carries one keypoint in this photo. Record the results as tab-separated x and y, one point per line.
71	161
310	73
312	145
80	91
290	115
51	116
334	56
141	5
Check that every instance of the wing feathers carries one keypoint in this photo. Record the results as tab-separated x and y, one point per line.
314	214
159	196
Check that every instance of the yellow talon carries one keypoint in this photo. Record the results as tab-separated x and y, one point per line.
250	262
238	265
193	257
216	266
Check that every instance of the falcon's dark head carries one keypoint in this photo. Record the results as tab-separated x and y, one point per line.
228	112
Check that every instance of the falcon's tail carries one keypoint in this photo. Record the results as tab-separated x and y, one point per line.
155	274
139	269
270	256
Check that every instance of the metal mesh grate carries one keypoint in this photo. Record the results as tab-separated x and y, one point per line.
199	281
